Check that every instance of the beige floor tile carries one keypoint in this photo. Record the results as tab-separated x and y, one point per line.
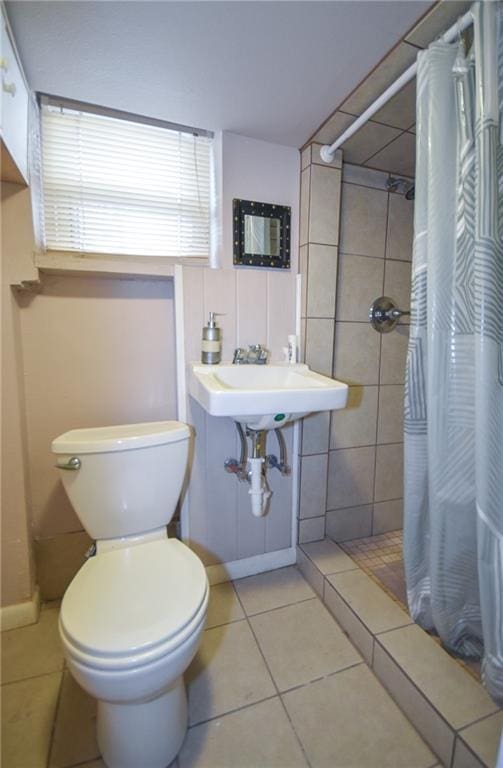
349	721
32	650
100	764
456	695
259	736
228	672
28	709
224	605
433	728
75	731
464	757
355	629
302	643
272	590
328	557
310	572
484	737
370	603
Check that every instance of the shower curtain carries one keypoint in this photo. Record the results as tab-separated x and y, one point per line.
453	516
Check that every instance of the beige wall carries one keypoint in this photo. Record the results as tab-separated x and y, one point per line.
82	351
17	570
96	351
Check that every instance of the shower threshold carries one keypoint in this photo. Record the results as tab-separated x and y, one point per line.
362	585
381	557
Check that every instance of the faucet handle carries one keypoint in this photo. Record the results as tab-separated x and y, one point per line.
239	356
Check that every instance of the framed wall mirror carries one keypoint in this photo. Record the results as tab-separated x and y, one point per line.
261	234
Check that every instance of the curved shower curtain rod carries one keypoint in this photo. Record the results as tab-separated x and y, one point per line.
328	150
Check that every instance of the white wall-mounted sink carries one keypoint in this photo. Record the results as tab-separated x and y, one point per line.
264	396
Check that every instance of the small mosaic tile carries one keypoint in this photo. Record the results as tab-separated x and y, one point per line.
381	557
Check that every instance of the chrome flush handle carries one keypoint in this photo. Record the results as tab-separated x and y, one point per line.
73	464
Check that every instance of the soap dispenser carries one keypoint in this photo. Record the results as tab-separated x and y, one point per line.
211	347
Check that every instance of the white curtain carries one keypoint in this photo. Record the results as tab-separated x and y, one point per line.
453	527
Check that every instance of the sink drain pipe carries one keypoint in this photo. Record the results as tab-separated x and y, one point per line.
260	492
253	470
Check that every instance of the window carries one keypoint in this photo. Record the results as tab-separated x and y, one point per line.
121	185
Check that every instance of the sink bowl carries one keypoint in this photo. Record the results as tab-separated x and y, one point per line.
264	396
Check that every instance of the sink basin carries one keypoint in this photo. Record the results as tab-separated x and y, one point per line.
264	396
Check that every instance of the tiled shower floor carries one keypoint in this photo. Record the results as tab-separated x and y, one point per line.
381	557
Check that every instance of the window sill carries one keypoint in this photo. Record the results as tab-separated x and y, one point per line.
69	263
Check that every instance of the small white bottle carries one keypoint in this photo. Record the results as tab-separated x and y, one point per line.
292	348
211	345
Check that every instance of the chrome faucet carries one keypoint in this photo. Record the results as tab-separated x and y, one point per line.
256	355
239	356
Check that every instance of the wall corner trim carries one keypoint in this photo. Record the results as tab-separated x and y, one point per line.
21	614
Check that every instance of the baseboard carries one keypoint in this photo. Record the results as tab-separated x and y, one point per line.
20	614
249	566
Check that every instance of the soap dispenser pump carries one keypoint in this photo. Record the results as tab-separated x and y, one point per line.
211	347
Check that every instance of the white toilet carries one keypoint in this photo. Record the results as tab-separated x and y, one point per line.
132	618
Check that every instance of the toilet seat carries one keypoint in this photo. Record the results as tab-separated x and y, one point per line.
130	606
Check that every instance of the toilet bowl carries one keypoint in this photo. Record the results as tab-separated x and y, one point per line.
132	618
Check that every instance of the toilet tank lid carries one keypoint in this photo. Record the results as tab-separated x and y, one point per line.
124	437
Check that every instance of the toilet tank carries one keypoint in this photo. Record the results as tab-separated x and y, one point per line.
126	479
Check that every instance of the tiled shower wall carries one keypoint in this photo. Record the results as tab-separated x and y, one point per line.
351	460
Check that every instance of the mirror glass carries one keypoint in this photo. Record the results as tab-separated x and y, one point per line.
262	236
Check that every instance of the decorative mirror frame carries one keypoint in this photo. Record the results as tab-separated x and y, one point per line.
242	208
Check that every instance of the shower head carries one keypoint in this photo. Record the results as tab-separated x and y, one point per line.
397	184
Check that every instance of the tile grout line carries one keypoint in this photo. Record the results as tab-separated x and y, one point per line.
274	684
231	712
329	674
479	720
54	721
33	677
372	528
279	607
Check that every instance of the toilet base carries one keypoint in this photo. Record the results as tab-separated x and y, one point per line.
147	734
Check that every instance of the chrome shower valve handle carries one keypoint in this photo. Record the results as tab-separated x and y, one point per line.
384	314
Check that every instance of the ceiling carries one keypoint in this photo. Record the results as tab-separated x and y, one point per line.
387	141
269	70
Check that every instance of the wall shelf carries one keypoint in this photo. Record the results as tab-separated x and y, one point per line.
67	263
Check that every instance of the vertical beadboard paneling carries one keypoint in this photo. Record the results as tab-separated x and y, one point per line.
279	520
251	529
193	301
220	296
198	514
221	489
251	308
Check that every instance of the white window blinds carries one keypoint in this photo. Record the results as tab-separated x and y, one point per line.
117	186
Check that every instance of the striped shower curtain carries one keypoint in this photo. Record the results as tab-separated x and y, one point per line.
453	520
